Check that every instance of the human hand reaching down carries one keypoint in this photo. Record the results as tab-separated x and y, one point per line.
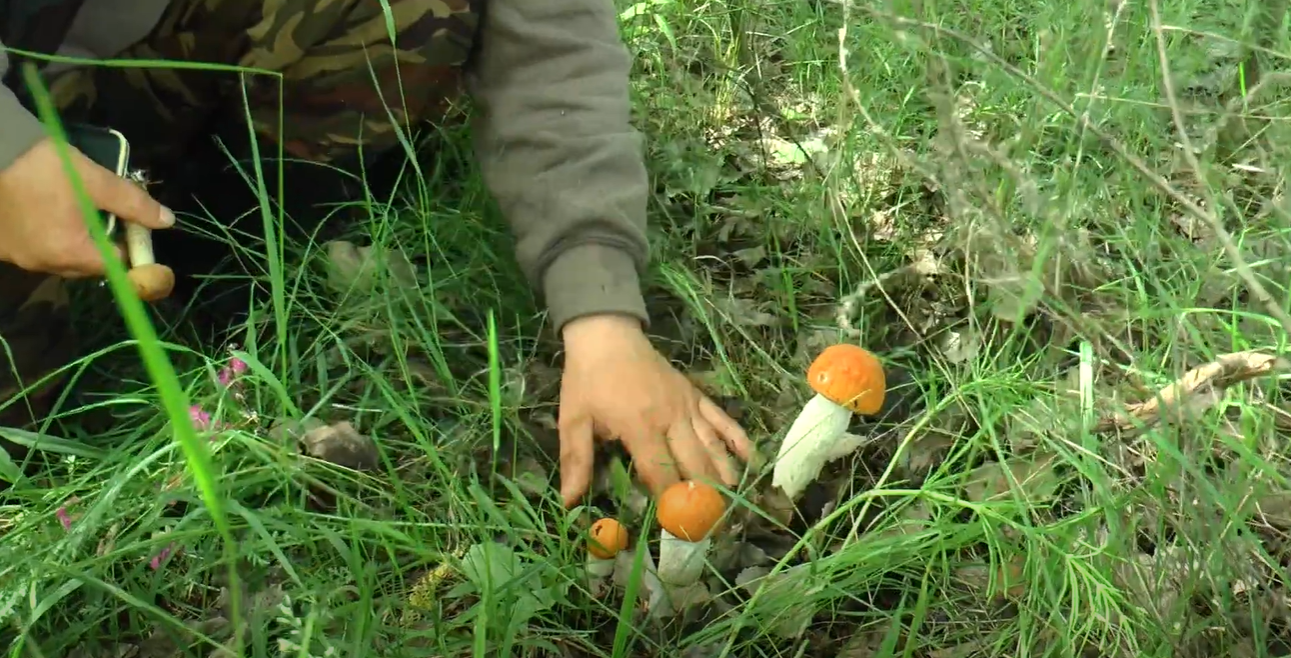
41	225
617	387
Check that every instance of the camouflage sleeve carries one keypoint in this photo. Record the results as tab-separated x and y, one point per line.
559	154
19	130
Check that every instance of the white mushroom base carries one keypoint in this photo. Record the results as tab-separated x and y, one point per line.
681	562
818	436
657	602
600	568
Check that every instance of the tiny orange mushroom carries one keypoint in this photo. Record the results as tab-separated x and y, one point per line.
606	538
847	379
604	541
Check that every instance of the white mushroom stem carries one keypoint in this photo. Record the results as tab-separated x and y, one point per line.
599	571
139	245
600	567
817	436
681	562
657	603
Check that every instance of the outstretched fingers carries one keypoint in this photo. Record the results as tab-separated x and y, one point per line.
126	199
736	439
693	457
656	465
716	449
577	453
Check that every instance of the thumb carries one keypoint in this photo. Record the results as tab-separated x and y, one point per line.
123	198
577	452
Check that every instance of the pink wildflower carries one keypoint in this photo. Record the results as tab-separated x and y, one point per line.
159	558
64	518
201	419
230	372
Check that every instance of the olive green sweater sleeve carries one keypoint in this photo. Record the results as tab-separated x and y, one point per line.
19	129
550	80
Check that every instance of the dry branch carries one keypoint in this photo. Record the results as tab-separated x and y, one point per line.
1224	371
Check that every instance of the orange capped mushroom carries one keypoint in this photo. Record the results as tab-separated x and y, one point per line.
151	281
604	541
607	538
850	376
690	510
847	379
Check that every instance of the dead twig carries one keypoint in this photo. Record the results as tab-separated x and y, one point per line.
1225	371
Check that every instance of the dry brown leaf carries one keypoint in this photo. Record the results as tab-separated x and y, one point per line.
1006	578
743	312
714	383
786	601
356	269
969	647
730	552
530	476
1153	581
914	518
338	443
865	644
752	256
905	283
960	346
1033	475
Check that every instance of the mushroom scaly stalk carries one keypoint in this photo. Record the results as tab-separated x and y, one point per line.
847	379
657	602
689	512
681	562
817	436
151	280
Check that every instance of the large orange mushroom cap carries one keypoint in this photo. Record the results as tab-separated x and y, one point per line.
607	538
850	377
690	510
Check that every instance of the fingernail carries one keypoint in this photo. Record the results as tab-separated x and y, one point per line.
167	217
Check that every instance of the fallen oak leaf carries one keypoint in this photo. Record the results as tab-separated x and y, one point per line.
741	312
783	603
342	445
351	268
337	443
1032	477
1005	578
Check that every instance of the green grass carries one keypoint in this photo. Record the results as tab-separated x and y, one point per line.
989	194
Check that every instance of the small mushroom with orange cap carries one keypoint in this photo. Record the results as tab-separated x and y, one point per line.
606	538
847	379
689	512
151	280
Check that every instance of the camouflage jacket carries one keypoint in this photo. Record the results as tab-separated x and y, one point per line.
552	132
